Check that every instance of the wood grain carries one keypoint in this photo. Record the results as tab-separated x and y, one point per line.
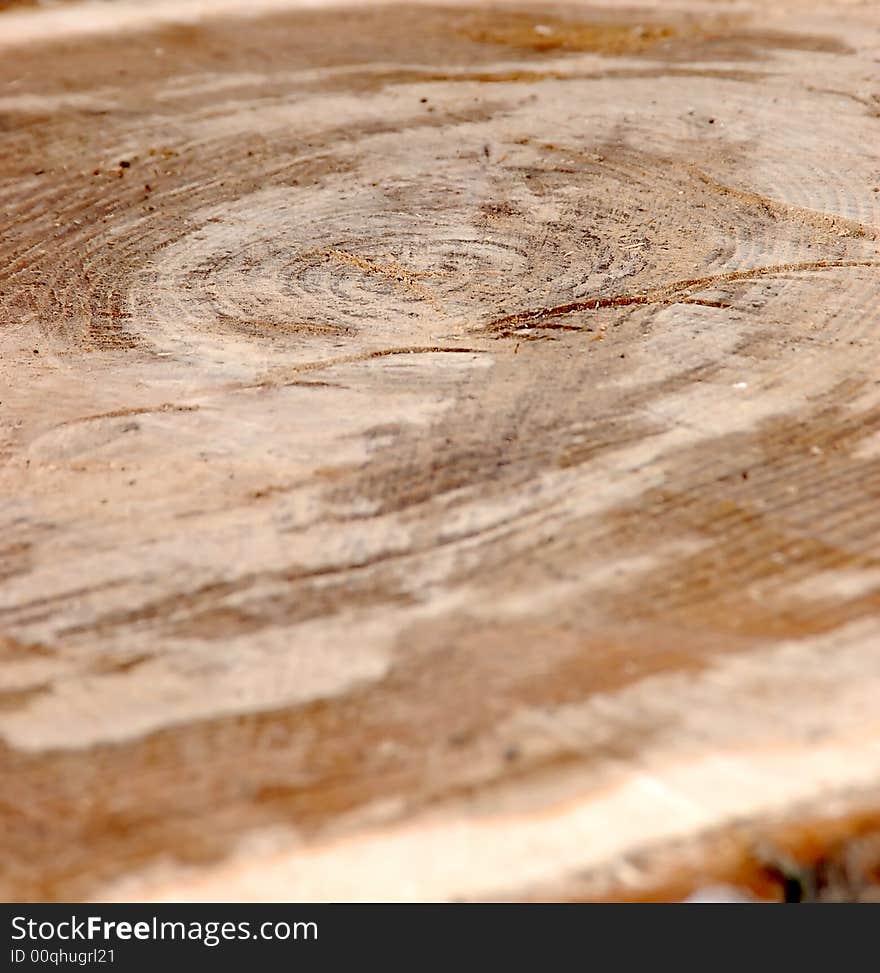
439	446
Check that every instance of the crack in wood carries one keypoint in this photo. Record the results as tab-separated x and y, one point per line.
675	292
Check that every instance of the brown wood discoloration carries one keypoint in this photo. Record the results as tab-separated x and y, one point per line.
439	447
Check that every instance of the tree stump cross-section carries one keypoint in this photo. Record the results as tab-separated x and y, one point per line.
439	447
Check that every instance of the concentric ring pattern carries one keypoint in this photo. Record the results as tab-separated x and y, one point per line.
416	413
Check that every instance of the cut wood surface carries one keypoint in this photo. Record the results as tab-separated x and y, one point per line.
439	446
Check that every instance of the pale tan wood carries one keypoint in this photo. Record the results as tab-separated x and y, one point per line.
438	447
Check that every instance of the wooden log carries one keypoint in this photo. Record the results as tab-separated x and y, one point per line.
439	448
